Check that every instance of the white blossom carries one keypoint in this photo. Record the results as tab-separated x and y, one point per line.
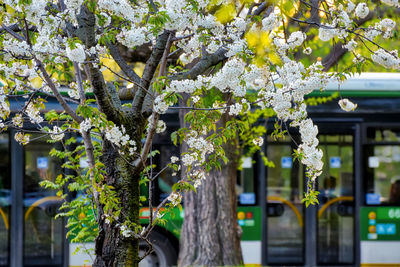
161	126
175	198
296	39
125	231
362	10
18	120
76	54
386	59
57	134
85	125
351	45
394	3
174	159
350	7
307	51
258	141
22	138
347	105
33	113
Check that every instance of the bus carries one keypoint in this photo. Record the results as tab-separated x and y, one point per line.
356	223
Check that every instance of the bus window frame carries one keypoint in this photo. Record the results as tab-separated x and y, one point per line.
366	143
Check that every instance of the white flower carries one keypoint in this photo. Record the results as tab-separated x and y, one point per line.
362	10
85	125
188	159
350	7
296	39
351	45
161	126
175	198
195	99
386	59
235	109
57	134
307	51
391	2
174	159
258	141
76	54
160	106
33	113
125	231
347	105
22	138
271	22
18	121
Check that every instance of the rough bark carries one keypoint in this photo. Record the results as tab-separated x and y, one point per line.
111	248
210	234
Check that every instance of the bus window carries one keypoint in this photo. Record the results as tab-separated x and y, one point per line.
245	189
5	199
382	161
43	236
285	211
335	216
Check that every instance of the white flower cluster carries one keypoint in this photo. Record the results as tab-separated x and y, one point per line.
85	125
77	53
394	3
388	60
270	22
312	156
174	159
73	5
57	134
161	126
33	113
160	105
18	120
132	37
188	159
228	77
117	136
235	109
125	231
123	9
362	10
175	198
4	105
22	138
198	176
296	39
351	45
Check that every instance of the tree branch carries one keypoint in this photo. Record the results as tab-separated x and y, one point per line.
115	53
149	71
86	33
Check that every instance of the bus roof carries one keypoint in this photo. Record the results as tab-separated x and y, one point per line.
368	84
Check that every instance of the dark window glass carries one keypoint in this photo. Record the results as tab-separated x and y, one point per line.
43	235
285	237
5	199
245	183
335	215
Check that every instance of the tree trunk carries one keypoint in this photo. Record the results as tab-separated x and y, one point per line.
210	234
111	248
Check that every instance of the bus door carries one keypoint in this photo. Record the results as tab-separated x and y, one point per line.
321	235
34	237
380	211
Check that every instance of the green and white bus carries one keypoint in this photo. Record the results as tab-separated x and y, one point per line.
357	221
